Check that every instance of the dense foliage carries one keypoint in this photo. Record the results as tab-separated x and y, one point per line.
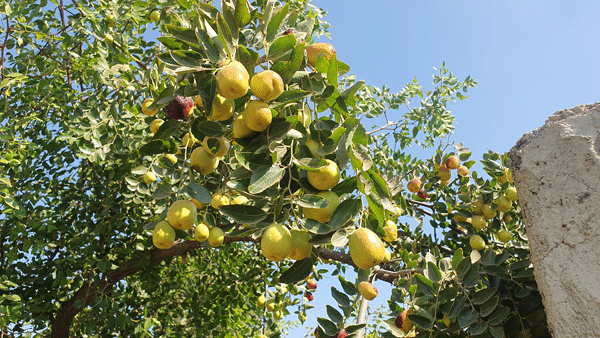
76	235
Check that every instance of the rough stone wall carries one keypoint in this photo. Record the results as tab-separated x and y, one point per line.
556	170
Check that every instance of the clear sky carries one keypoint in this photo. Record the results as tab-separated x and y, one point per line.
530	58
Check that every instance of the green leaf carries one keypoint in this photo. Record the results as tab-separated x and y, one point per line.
350	329
281	46
264	177
311	201
467	317
362	154
248	58
334	314
278	129
10	284
342	68
242	13
327	325
297	272
310	163
497	331
462	268
448	294
457	306
346	186
351	91
483	295
478	328
425	285
345	212
498	316
276	23
340	297
375	207
433	272
348	287
287	69
244	214
209	47
422	321
317	227
471	278
165	96
208	10
163	190
159	147
186	35
332	71
208	128
188	58
225	36
290	96
231	21
168	128
489	258
488	306
171	43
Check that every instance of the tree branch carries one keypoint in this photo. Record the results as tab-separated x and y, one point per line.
63	320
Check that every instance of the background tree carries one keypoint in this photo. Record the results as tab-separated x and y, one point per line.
79	207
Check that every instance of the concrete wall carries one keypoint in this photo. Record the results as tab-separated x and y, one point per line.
556	170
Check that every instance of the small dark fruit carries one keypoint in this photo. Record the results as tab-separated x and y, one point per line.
180	108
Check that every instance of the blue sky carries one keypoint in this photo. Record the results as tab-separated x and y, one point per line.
530	58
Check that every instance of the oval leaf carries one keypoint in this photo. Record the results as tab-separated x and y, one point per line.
297	272
244	214
265	177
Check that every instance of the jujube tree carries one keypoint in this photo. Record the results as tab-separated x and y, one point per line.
191	186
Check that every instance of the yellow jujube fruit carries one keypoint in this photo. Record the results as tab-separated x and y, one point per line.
266	85
155	125
239	200
240	129
326	177
149	177
216	236
182	214
163	235
201	232
219	199
216	146
276	242
313	51
366	248
188	140
202	162
222	108
232	80
301	247
391	231
324	214
257	115
145	108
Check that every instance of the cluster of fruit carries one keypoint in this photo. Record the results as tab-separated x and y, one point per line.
233	82
481	211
